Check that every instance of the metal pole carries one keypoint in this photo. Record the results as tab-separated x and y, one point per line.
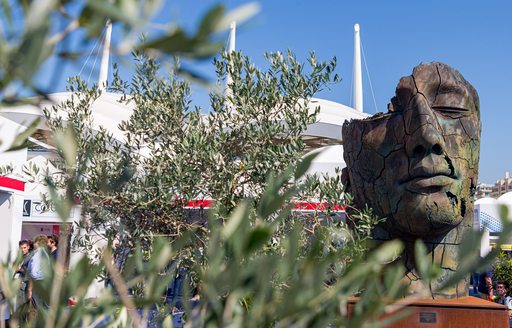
358	77
102	79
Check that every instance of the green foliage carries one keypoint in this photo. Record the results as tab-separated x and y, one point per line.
138	186
21	140
469	261
199	46
502	269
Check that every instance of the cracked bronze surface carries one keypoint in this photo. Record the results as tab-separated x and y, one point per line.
417	166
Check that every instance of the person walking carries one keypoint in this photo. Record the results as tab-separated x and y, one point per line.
38	270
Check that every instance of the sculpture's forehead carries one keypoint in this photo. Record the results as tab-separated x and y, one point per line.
425	79
438	78
442	85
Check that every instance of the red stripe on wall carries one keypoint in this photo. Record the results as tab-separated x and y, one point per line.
207	203
317	206
12	183
298	206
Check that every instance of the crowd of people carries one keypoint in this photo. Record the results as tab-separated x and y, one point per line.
34	268
485	287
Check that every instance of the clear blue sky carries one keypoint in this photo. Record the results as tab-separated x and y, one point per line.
473	36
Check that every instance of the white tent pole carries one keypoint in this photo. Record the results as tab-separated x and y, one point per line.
102	79
232	37
231	49
358	77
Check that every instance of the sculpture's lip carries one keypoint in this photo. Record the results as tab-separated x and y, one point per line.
429	180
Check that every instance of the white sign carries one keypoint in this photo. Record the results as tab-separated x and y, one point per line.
37	208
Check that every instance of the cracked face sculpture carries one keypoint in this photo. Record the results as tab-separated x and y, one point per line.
417	164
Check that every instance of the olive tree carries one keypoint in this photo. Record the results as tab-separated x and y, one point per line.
173	153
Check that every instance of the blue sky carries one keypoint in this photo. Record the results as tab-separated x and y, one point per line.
473	36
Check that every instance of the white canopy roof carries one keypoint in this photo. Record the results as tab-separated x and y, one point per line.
331	118
485	200
106	111
506	198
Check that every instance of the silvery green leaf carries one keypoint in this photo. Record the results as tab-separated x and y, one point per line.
209	22
123	11
421	259
38	14
387	252
62	204
21	140
304	164
238	15
235	220
66	143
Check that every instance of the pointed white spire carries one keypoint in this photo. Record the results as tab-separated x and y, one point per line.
358	77
232	37
231	49
102	79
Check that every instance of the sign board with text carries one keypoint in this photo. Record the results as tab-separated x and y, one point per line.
38	209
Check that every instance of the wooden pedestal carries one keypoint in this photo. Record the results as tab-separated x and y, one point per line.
464	312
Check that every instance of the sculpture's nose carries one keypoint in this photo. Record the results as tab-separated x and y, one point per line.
422	127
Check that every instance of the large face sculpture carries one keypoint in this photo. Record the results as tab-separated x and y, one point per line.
417	165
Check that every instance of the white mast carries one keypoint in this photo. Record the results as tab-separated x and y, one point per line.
358	78
232	37
231	49
102	79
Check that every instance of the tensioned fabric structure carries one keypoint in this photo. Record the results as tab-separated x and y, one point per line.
488	218
106	112
488	212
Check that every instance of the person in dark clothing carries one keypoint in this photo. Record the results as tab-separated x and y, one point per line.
485	289
502	297
22	272
174	295
53	243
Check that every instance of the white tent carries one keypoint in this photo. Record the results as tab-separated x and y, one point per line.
328	159
106	111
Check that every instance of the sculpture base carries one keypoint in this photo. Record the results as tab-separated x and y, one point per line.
462	312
